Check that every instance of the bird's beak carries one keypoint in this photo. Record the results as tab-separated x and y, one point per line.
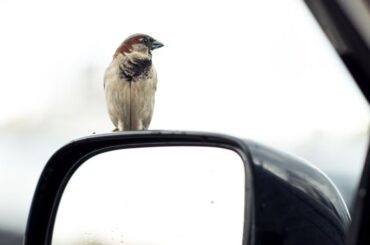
156	44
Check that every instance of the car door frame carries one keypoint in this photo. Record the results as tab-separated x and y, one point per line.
354	51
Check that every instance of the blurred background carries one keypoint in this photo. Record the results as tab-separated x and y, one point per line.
261	70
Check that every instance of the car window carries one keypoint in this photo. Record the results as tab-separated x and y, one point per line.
261	70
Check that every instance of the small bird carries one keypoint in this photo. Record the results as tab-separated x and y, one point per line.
130	82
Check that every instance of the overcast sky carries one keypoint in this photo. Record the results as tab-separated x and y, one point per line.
260	69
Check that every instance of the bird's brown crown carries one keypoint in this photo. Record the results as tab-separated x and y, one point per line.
127	44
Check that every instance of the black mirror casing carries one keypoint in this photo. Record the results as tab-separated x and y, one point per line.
292	202
295	203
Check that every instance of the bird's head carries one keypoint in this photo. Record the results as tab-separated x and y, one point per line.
141	43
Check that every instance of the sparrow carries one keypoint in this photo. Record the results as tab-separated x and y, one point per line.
130	83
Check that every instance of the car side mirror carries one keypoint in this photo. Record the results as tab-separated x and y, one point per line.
161	187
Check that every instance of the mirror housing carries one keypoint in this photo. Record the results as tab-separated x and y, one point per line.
292	202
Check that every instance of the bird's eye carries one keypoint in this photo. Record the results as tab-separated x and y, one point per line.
143	40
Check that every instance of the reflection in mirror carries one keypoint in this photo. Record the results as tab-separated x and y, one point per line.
156	195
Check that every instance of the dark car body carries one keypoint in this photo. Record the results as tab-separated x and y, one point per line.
297	203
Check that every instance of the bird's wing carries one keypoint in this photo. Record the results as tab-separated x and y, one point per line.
110	72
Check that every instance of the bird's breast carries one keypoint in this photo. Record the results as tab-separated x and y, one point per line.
121	92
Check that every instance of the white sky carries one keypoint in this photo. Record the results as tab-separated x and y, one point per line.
258	69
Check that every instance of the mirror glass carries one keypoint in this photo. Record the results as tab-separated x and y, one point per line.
156	195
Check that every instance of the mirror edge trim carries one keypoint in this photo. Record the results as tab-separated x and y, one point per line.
57	172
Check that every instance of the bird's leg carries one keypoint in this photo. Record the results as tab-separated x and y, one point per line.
137	125
120	126
141	126
115	130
